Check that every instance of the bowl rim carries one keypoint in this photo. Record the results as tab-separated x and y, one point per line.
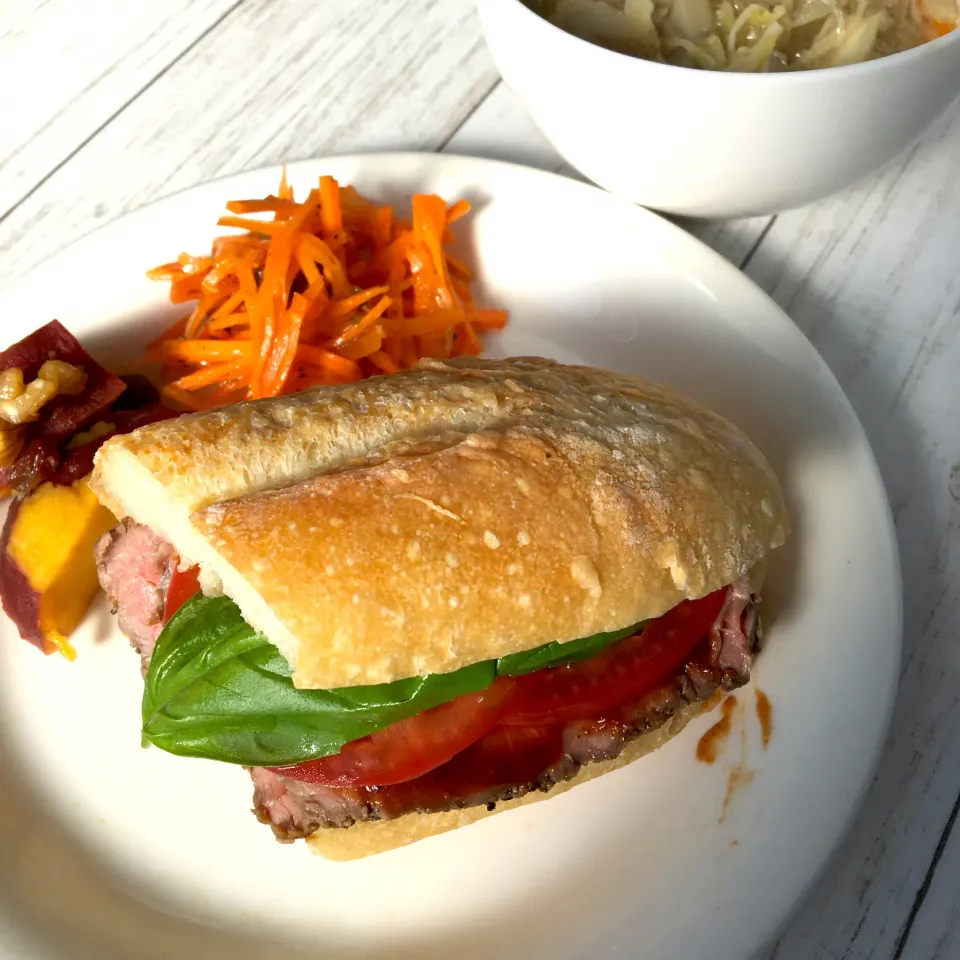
867	67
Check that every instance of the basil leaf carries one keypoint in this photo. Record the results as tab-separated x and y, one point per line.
556	654
217	689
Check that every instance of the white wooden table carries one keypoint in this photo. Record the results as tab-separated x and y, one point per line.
108	104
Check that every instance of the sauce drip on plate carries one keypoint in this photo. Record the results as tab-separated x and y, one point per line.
765	716
711	743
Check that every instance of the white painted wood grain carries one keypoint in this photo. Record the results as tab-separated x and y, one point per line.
936	931
872	278
500	129
67	67
274	81
737	239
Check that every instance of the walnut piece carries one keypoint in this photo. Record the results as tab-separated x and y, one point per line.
21	403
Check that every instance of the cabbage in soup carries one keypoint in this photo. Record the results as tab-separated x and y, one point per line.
754	35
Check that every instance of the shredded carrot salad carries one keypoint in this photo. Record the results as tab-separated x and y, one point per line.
330	290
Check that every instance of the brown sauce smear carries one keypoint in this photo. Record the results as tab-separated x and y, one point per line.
712	742
765	716
740	776
716	698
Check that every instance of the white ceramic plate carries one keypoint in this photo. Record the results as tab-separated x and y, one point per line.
110	850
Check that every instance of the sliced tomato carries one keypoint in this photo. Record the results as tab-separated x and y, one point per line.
182	587
411	747
512	731
505	757
621	674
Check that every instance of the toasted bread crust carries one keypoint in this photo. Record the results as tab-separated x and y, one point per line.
457	512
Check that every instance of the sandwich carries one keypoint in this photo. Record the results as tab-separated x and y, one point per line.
407	603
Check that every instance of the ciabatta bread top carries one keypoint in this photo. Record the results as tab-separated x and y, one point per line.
457	512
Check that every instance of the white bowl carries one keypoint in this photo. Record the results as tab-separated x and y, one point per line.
711	144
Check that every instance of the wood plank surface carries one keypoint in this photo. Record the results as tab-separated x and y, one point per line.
273	82
67	68
872	278
111	104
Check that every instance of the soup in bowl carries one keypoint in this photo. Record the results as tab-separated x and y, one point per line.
754	35
725	142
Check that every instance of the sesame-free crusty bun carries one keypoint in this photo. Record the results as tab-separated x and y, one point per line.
377	836
456	512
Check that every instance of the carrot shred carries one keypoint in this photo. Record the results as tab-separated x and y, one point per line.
191	264
271	303
459	210
408	353
268	227
215	277
205	351
166	271
384	361
280	359
416	326
330	213
435	345
462	291
383	225
184	289
214	373
458	268
468	343
243	246
327	360
489	319
362	346
232	326
327	259
228	307
184	398
359	326
308	267
286	191
314	321
343	308
266	205
327	290
392	348
172	332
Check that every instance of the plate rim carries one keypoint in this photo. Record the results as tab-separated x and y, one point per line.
667	229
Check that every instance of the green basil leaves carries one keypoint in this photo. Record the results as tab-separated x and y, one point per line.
219	690
556	654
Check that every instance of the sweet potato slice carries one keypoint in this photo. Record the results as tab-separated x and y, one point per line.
47	572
